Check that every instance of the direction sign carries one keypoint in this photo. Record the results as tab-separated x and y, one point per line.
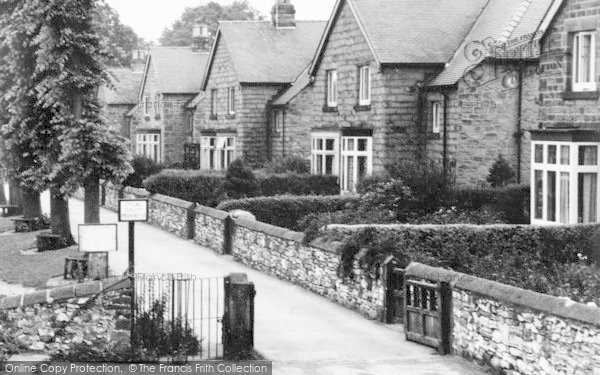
133	210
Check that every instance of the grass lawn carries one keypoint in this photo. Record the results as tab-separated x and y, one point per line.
29	270
6	224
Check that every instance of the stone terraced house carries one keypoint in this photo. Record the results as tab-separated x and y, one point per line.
160	123
250	63
121	97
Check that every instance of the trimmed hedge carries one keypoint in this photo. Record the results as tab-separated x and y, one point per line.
210	187
512	202
555	260
285	211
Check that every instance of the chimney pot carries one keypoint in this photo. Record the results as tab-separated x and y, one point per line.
283	14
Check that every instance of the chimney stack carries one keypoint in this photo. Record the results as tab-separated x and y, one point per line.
200	37
283	14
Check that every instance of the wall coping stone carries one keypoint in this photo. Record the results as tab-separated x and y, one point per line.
173	201
270	229
64	292
558	306
472	226
136	191
212	212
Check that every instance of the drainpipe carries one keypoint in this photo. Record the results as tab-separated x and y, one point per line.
445	136
283	133
519	132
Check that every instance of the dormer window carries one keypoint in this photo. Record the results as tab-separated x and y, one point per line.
364	86
584	61
331	88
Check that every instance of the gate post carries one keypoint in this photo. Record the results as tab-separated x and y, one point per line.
238	317
446	318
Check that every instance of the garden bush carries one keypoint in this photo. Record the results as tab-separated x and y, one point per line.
297	184
511	202
285	211
501	173
203	187
142	168
289	164
240	182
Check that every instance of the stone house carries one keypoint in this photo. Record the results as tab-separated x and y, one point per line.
369	98
250	63
120	97
160	123
565	142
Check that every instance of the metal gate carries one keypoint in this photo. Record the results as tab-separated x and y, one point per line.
394	292
427	307
191	156
178	316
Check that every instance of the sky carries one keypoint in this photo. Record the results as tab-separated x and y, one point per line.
148	18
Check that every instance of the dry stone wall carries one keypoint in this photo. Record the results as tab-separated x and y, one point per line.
211	228
172	214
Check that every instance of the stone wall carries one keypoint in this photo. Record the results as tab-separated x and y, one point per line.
517	330
112	194
280	252
172	214
135	193
54	321
211	229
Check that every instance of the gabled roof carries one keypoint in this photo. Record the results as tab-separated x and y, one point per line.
125	84
299	84
178	69
408	31
262	53
506	24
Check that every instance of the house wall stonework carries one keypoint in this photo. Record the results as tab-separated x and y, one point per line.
115	115
555	65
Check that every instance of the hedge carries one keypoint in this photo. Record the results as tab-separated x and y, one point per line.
285	211
209	187
560	260
512	202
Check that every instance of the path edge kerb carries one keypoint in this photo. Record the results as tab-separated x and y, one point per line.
506	293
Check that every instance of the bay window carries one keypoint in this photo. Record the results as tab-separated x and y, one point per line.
324	153
148	145
584	61
565	182
217	152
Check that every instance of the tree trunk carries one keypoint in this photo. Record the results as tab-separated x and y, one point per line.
59	216
92	201
2	193
14	192
32	207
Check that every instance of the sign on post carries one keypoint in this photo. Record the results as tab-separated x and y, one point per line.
97	238
133	210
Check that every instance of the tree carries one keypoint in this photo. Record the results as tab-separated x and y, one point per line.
180	33
501	173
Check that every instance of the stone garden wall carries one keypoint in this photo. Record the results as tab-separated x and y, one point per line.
54	321
112	194
211	229
172	214
135	193
518	330
280	252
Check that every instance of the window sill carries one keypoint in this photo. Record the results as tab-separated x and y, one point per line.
581	95
147	117
330	109
213	117
231	116
362	107
433	136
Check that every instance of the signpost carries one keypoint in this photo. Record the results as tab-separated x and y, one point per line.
97	240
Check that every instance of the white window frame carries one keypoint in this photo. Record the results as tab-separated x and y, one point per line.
149	145
332	88
214	102
364	85
315	152
347	154
222	150
437	117
157	105
577	67
146	101
231	100
573	169
278	121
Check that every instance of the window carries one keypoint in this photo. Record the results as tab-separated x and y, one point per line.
357	161
364	86
213	103
217	152
157	105
437	117
331	88
324	153
565	182
146	106
584	61
191	122
148	145
231	100
278	122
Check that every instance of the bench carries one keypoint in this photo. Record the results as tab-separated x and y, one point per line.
25	224
76	267
9	210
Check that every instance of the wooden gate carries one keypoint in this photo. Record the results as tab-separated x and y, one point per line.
191	156
427	309
394	292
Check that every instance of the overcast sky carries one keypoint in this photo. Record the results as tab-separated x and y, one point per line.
149	17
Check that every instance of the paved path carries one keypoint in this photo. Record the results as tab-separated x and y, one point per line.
303	333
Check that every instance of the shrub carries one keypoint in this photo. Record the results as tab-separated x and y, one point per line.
285	211
392	197
511	202
501	173
453	215
297	184
193	186
289	164
142	168
240	181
